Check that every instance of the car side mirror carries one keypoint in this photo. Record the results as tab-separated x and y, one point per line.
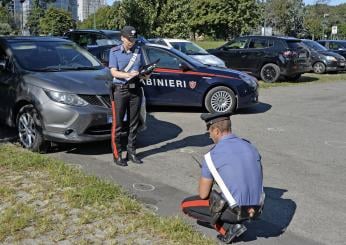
184	67
105	56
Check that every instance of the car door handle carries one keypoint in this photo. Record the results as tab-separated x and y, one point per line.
155	73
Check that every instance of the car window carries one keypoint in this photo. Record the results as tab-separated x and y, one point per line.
236	44
258	43
58	55
188	48
337	45
167	60
314	45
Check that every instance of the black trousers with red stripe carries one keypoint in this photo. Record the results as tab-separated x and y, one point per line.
128	101
198	208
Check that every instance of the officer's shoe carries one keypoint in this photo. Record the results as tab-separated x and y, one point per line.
133	158
120	161
233	232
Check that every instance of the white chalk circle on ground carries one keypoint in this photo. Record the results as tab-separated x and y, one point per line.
143	187
336	144
275	129
151	207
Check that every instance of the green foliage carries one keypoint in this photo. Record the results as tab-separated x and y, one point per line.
56	22
5	29
286	17
222	19
33	23
105	18
173	20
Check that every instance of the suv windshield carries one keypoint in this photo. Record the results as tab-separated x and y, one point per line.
52	56
188	48
314	45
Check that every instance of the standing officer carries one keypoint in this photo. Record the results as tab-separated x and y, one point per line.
125	61
235	165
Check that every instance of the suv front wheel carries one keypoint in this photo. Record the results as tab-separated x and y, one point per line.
270	73
29	126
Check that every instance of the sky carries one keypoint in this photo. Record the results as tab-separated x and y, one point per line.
331	2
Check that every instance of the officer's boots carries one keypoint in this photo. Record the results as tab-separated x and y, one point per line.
234	231
120	160
131	156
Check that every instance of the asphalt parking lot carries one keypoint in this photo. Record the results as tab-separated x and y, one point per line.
300	132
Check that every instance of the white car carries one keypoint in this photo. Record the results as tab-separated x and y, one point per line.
191	49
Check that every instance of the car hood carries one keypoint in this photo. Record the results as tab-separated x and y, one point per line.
78	82
222	71
209	59
330	53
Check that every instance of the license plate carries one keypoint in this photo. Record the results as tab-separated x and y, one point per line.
302	55
109	119
342	63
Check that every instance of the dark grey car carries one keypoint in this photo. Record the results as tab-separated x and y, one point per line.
324	60
52	90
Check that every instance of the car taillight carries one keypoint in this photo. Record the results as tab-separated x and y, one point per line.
289	54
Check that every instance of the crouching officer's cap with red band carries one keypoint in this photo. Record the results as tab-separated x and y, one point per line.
211	118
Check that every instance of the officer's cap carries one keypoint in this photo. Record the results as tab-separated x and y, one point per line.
129	32
211	118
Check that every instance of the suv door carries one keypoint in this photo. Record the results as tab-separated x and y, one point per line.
252	57
169	84
231	51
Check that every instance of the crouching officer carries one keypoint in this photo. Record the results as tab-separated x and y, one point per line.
125	61
235	165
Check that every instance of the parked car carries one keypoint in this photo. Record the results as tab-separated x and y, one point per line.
322	59
190	49
52	90
337	46
266	57
95	41
180	80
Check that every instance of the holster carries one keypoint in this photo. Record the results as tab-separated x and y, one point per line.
217	205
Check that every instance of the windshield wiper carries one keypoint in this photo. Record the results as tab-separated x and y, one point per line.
77	68
47	69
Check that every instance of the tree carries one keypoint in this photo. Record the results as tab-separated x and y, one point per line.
286	16
223	19
173	20
56	22
6	21
35	14
105	18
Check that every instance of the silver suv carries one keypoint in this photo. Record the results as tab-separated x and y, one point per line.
52	90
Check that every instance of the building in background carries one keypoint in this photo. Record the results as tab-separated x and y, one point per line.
88	7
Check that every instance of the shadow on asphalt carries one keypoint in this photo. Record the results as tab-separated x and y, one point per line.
259	108
276	217
157	131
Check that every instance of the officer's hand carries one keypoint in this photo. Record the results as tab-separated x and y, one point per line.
133	74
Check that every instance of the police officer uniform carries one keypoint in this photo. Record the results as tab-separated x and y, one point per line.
127	98
238	163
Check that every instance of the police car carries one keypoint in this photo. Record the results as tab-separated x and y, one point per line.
180	80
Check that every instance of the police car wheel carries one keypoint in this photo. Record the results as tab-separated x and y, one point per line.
29	127
220	99
270	73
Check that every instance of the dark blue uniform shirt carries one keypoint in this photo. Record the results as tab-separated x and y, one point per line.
119	58
239	165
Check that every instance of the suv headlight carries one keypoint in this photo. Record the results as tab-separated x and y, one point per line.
331	58
66	98
250	80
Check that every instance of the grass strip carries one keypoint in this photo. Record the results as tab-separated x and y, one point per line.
74	206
